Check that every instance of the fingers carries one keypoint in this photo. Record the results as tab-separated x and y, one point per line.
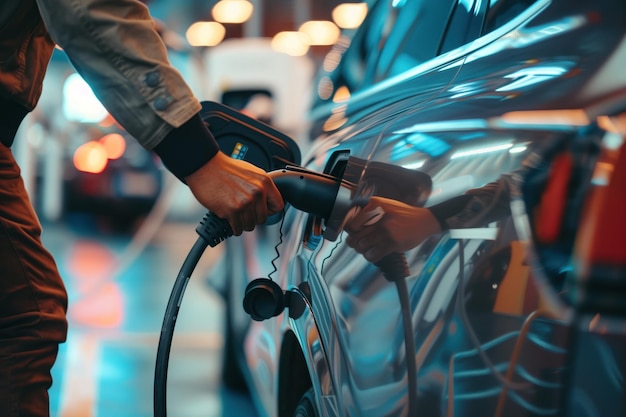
251	212
376	254
237	191
365	235
368	216
262	200
268	201
363	239
274	199
370	246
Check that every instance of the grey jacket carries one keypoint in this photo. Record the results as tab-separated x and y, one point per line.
112	44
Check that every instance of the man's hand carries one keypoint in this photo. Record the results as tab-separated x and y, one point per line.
386	226
236	191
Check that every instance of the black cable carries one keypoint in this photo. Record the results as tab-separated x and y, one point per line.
409	343
460	305
280	242
395	268
169	321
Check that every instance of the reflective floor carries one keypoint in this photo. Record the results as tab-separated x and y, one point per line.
118	289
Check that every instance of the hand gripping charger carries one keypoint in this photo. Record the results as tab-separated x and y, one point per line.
247	139
324	196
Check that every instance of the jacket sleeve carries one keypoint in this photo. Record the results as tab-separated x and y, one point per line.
116	49
477	207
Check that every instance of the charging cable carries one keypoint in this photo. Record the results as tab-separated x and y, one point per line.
211	230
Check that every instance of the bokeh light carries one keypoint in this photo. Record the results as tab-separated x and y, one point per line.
80	104
320	32
291	43
91	157
205	34
114	144
232	11
349	15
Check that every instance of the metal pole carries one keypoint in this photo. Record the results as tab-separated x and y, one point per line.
301	12
253	28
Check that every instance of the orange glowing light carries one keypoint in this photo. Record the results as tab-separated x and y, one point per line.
342	94
115	145
89	262
104	309
100	302
567	117
108	121
91	157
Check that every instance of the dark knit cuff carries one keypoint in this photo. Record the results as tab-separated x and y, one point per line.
185	149
11	116
449	208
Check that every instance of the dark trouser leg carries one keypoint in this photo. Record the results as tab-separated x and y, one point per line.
33	301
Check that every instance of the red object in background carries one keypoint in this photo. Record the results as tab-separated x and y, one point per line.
554	200
600	240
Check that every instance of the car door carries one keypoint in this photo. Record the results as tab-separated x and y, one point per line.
394	82
384	57
463	136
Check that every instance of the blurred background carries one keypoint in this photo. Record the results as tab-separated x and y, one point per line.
120	226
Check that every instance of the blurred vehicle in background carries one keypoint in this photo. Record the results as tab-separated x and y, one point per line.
79	164
110	177
504	320
107	175
238	69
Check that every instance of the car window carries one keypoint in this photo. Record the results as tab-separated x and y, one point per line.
471	19
502	11
396	35
410	35
400	34
421	29
465	24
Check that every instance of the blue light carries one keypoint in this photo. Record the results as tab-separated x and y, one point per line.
419	142
80	104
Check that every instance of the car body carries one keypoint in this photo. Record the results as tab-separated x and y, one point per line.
464	92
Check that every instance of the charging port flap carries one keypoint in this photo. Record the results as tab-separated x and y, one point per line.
243	137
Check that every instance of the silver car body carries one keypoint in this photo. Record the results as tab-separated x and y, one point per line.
465	118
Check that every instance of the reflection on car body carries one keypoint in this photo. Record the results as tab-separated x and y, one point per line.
463	92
